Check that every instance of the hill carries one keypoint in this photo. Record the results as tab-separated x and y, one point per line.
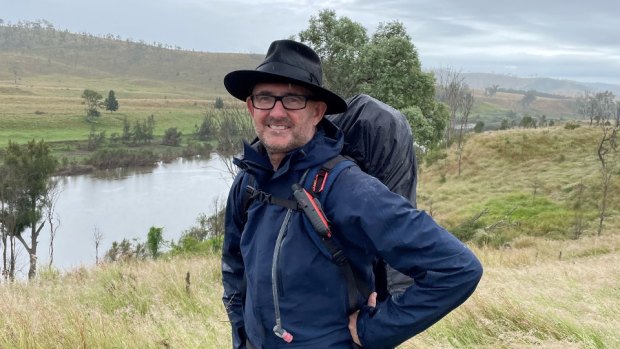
42	68
34	50
43	73
553	86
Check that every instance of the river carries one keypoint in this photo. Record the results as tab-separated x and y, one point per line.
126	203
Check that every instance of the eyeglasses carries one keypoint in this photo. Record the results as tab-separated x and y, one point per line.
289	102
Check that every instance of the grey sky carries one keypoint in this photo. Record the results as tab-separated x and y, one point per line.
576	40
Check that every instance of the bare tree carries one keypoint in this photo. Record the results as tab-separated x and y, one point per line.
606	151
584	105
50	214
231	168
97	238
467	102
450	84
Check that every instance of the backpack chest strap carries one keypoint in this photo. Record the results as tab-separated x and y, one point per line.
259	195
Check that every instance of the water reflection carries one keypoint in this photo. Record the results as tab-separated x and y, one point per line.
126	203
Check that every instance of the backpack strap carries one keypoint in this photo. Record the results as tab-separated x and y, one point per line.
250	194
321	183
320	179
310	204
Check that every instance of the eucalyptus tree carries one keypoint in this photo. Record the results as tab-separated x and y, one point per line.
92	99
28	170
385	65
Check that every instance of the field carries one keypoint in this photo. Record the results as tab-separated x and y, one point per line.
543	287
541	295
51	110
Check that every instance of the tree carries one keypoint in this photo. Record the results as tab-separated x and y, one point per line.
450	90
528	98
340	43
172	137
219	103
154	241
607	150
479	127
97	239
110	103
29	169
394	70
50	215
527	122
491	91
467	102
92	99
427	130
385	66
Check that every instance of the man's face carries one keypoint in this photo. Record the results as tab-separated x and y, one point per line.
281	130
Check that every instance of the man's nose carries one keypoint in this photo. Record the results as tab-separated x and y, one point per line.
278	108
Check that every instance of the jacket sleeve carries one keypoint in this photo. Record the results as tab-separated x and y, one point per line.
233	270
445	271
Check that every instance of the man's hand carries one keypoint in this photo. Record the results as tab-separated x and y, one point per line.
372	302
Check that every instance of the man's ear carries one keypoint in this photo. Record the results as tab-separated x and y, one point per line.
248	103
320	109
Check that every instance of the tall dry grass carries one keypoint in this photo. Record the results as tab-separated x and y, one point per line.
137	305
538	294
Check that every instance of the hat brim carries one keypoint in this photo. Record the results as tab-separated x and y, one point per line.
241	82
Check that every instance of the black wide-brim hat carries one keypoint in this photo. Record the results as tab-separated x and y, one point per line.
287	61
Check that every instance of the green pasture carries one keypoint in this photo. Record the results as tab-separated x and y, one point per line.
51	107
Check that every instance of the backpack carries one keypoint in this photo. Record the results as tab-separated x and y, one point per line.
379	140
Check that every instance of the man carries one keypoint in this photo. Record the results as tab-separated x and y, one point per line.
281	286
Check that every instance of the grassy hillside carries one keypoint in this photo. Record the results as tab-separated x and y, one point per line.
543	287
507	106
522	182
43	72
32	50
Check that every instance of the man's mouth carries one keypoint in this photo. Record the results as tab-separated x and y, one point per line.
278	127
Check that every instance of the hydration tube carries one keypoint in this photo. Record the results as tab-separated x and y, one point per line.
277	329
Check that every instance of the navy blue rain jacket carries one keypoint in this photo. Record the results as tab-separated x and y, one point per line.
368	220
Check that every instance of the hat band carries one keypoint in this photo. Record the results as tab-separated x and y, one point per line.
289	71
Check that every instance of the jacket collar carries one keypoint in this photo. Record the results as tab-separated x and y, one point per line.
326	143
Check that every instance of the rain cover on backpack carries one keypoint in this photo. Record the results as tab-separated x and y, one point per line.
379	138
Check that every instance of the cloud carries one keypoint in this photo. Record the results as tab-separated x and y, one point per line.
554	38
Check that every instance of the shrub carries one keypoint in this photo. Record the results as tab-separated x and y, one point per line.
434	155
172	137
219	103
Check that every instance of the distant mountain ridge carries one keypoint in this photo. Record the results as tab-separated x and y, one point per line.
548	85
36	48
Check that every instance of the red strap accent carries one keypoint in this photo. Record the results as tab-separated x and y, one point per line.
319	181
